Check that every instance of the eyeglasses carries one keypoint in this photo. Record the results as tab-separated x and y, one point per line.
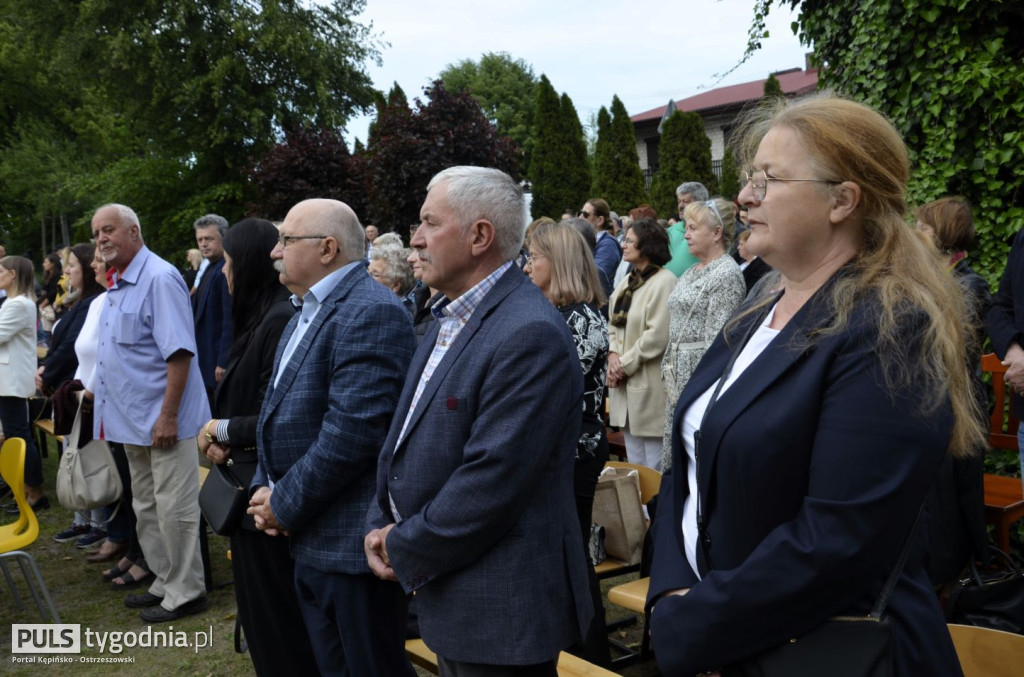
714	208
759	179
286	240
530	257
585	214
628	241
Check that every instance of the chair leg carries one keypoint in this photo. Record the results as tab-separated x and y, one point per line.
10	585
37	587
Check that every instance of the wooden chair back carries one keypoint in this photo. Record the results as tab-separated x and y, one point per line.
650	479
1002	425
984	652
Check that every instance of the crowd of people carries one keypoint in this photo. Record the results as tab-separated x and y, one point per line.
430	419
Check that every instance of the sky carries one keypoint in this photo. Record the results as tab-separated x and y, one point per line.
645	51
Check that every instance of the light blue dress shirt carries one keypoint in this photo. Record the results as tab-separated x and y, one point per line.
146	318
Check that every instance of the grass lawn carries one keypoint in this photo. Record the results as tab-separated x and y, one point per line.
82	597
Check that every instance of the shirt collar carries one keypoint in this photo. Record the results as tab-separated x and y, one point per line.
131	273
462	308
319	292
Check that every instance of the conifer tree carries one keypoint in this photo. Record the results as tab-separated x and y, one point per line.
685	155
577	164
547	160
604	156
626	183
729	186
772	88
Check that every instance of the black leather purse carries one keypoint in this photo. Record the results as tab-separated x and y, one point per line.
222	500
844	646
991	599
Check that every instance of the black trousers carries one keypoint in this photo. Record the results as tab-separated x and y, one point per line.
267	605
356	623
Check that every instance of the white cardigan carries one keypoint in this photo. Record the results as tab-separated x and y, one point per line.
18	357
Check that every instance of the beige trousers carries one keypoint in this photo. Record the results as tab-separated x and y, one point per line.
165	489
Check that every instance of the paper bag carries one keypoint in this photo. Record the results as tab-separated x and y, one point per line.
618	509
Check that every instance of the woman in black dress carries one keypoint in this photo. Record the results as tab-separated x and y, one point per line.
561	265
264	589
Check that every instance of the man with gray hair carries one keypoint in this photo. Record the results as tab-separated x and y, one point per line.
337	375
475	510
389	265
211	303
148	395
682	259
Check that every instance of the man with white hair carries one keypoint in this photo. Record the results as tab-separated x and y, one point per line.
682	259
475	481
337	375
148	395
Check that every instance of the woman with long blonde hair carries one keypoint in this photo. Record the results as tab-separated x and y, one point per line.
807	439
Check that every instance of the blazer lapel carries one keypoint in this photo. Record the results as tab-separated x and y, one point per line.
786	349
508	282
298	357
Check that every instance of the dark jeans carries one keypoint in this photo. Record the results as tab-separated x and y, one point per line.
14	419
121	528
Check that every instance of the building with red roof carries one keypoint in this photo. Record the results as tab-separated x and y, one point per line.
719	108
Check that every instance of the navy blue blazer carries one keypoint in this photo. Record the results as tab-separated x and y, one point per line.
214	333
61	360
483	482
812	474
321	428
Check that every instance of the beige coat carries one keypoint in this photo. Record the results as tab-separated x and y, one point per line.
18	356
639	406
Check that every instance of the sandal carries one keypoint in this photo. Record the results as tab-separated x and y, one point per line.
128	581
116	571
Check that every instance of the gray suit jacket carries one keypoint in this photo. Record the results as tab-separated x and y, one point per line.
489	538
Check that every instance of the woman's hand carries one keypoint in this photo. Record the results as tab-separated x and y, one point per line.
204	442
39	379
616	375
216	453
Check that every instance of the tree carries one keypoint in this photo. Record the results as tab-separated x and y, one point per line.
772	88
307	164
171	98
729	185
617	175
949	76
576	167
410	146
506	90
685	155
548	160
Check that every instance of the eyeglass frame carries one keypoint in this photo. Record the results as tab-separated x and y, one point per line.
760	192
718	215
584	214
284	240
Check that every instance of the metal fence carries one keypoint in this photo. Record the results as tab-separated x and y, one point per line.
649	172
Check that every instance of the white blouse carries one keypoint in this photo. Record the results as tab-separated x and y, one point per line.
691	423
88	342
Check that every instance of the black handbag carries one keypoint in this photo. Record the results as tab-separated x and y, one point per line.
844	646
993	599
223	499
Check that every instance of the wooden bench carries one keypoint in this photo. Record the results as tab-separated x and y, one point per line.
633	596
43	428
1004	496
421	656
1004	505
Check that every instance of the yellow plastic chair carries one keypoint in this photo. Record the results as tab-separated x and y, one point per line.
22	532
